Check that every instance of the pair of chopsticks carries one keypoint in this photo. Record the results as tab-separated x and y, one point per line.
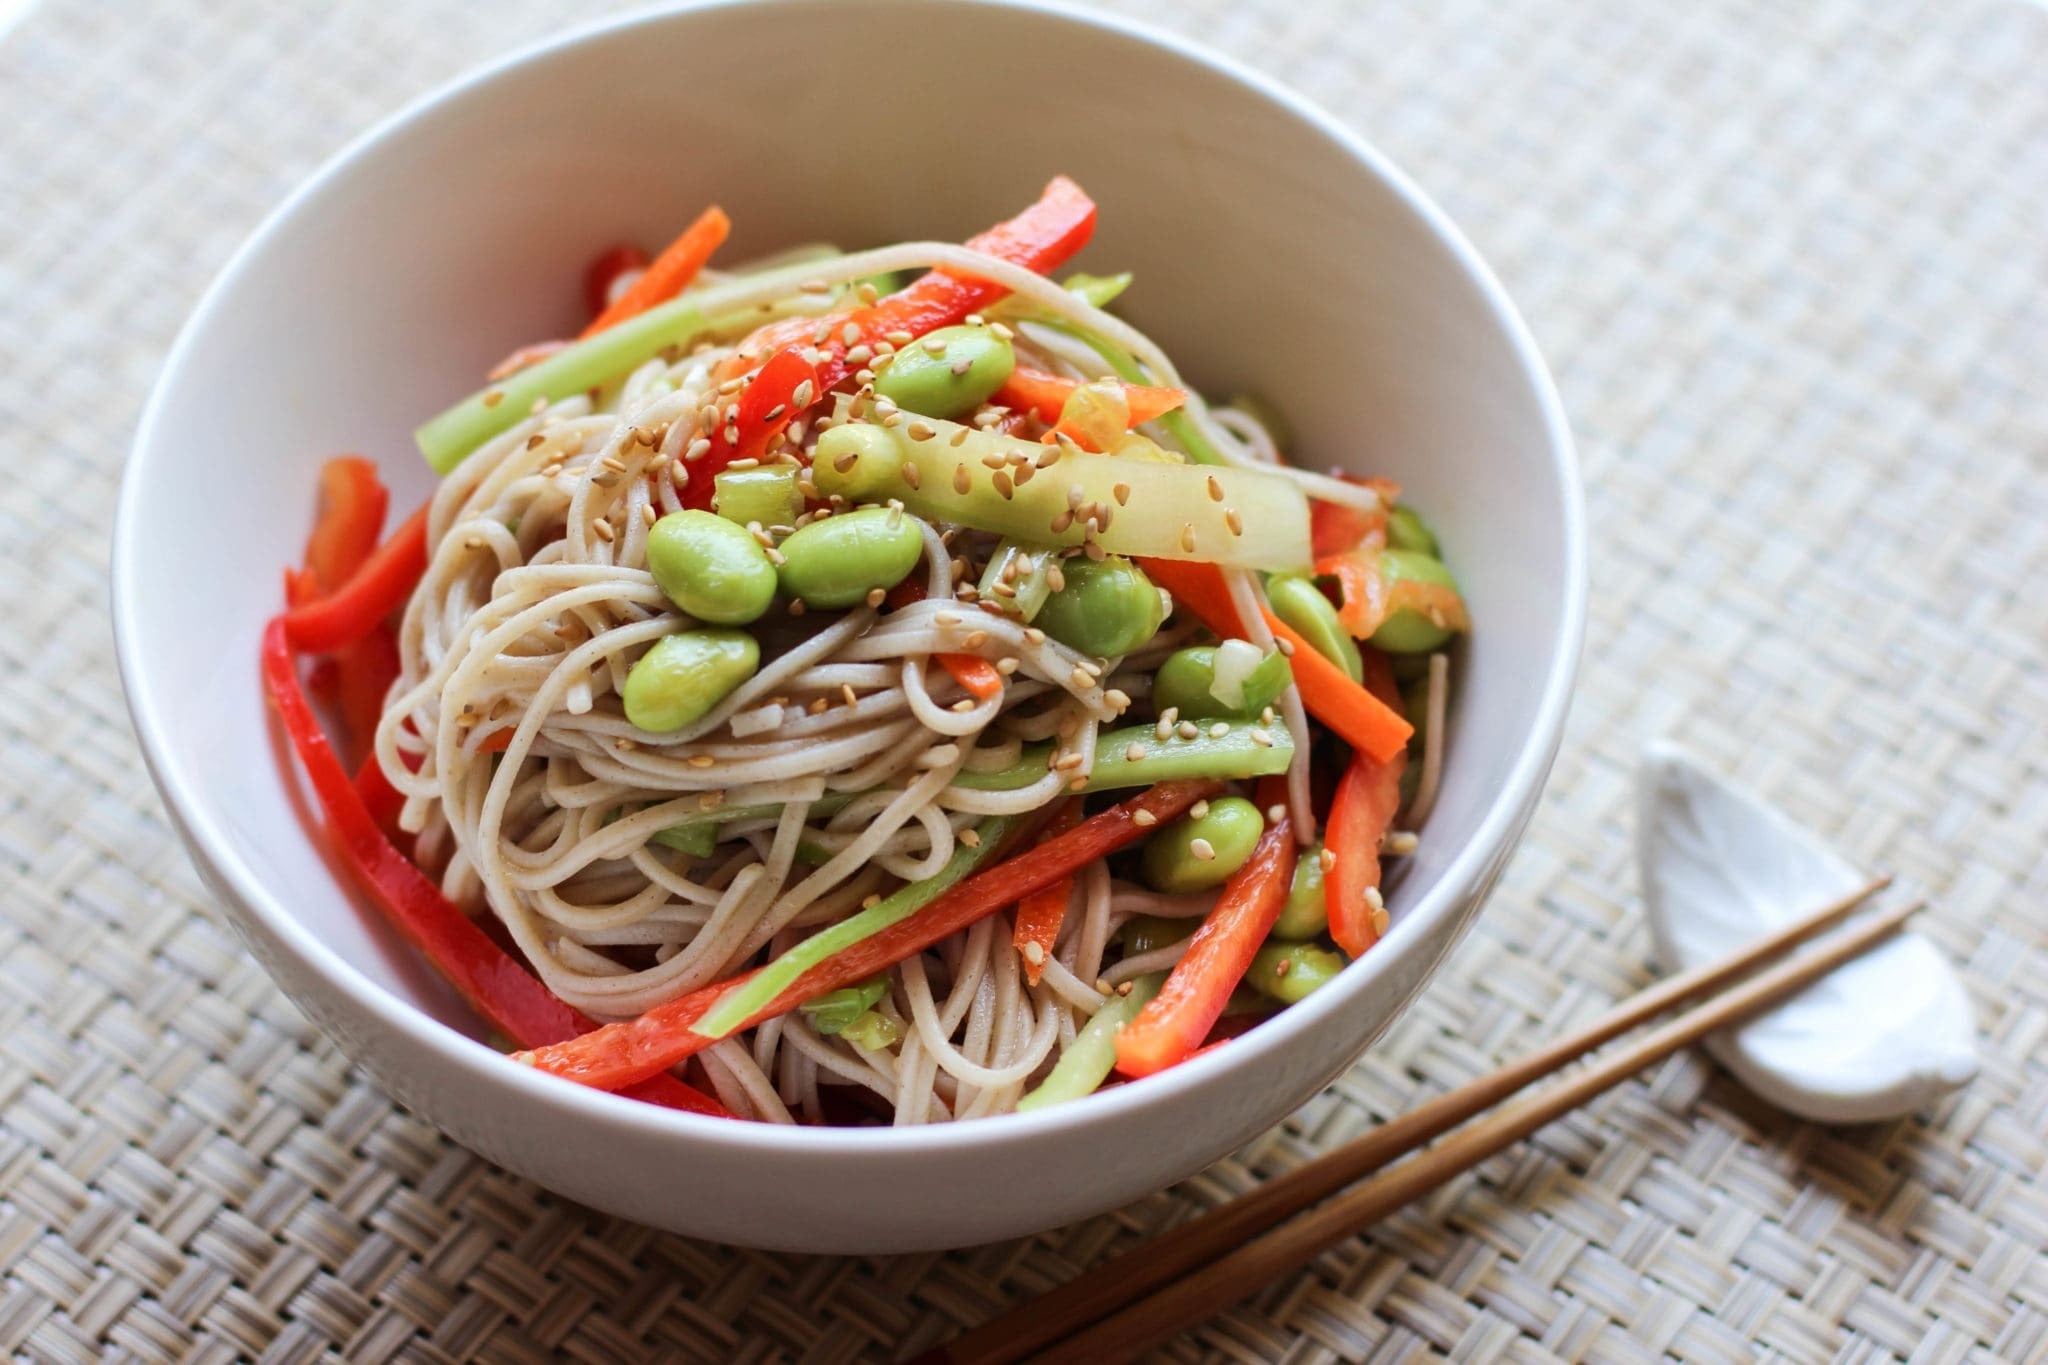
1186	1276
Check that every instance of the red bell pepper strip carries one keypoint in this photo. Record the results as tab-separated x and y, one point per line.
1047	395
1177	1021
1361	587
1335	527
1361	719
351	517
602	276
772	400
1040	239
1367	797
376	590
671	272
619	1054
1040	914
363	676
502	993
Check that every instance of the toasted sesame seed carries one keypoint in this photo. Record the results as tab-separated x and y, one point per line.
1380	921
1219	729
1163	731
701	760
1117	699
1328	858
846	694
962	365
797	608
911	475
1285	646
1261	738
603	530
1202	850
1081	678
1187	536
1399	843
1234	521
871	900
867	292
970	837
963	482
850	333
1215	489
1187	729
997	461
775	556
1122	493
959	437
1034	635
1003	330
1275	813
974	639
813	286
1144	819
1000	481
859	355
648	514
1199	811
613	463
1062	523
493	398
921	431
876	596
1067	762
899	337
1133	752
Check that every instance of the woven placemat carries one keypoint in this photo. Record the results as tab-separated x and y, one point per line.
1790	264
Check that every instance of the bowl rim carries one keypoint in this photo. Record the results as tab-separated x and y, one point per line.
192	814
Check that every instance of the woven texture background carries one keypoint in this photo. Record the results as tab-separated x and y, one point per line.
1790	262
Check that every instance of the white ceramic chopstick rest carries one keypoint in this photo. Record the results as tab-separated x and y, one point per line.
1874	1039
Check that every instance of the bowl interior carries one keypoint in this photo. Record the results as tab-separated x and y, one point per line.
1269	257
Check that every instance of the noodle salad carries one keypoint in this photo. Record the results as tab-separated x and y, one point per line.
867	688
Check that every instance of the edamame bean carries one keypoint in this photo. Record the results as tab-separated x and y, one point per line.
1104	607
835	563
686	675
1291	972
767	495
946	372
1406	629
710	568
1185	680
1194	853
1301	604
1307	912
1406	530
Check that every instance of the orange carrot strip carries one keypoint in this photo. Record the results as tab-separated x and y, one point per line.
1040	914
671	271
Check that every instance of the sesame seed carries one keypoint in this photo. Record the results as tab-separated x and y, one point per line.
1000	481
867	292
1144	819
1008	664
604	531
894	419
1082	679
797	608
775	556
899	337
974	639
1066	763
648	514
921	431
814	286
1199	811
850	333
535	441
1187	536
1187	729
934	345
1034	635
911	476
733	385
859	355
1399	843
577	471
1275	813
1003	330
613	463
962	706
1122	493
493	398
1219	729
1262	739
1380	921
1163	731
876	597
846	694
959	438
1215	489
1133	752
970	837
548	471
1280	967
1055	578
1328	858
871	900
1033	951
1373	899
1285	646
1202	850
803	394
1024	473
997	461
962	365
701	760
963	482
1117	699
1233	521
1122	988
1062	523
1266	716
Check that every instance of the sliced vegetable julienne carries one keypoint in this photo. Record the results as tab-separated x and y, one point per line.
1047	394
947	472
1176	424
1010	585
744	1000
503	994
1039	915
622	1053
1088	1060
834	1010
670	273
1175	1024
1361	812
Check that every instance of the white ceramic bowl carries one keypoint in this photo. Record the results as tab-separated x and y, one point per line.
1274	251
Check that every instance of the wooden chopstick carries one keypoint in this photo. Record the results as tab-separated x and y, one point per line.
1222	1282
1037	1324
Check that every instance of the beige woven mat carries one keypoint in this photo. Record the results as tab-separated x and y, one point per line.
1791	264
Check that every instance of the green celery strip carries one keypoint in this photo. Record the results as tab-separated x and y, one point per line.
588	364
834	1010
1089	1059
1233	757
697	840
753	995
